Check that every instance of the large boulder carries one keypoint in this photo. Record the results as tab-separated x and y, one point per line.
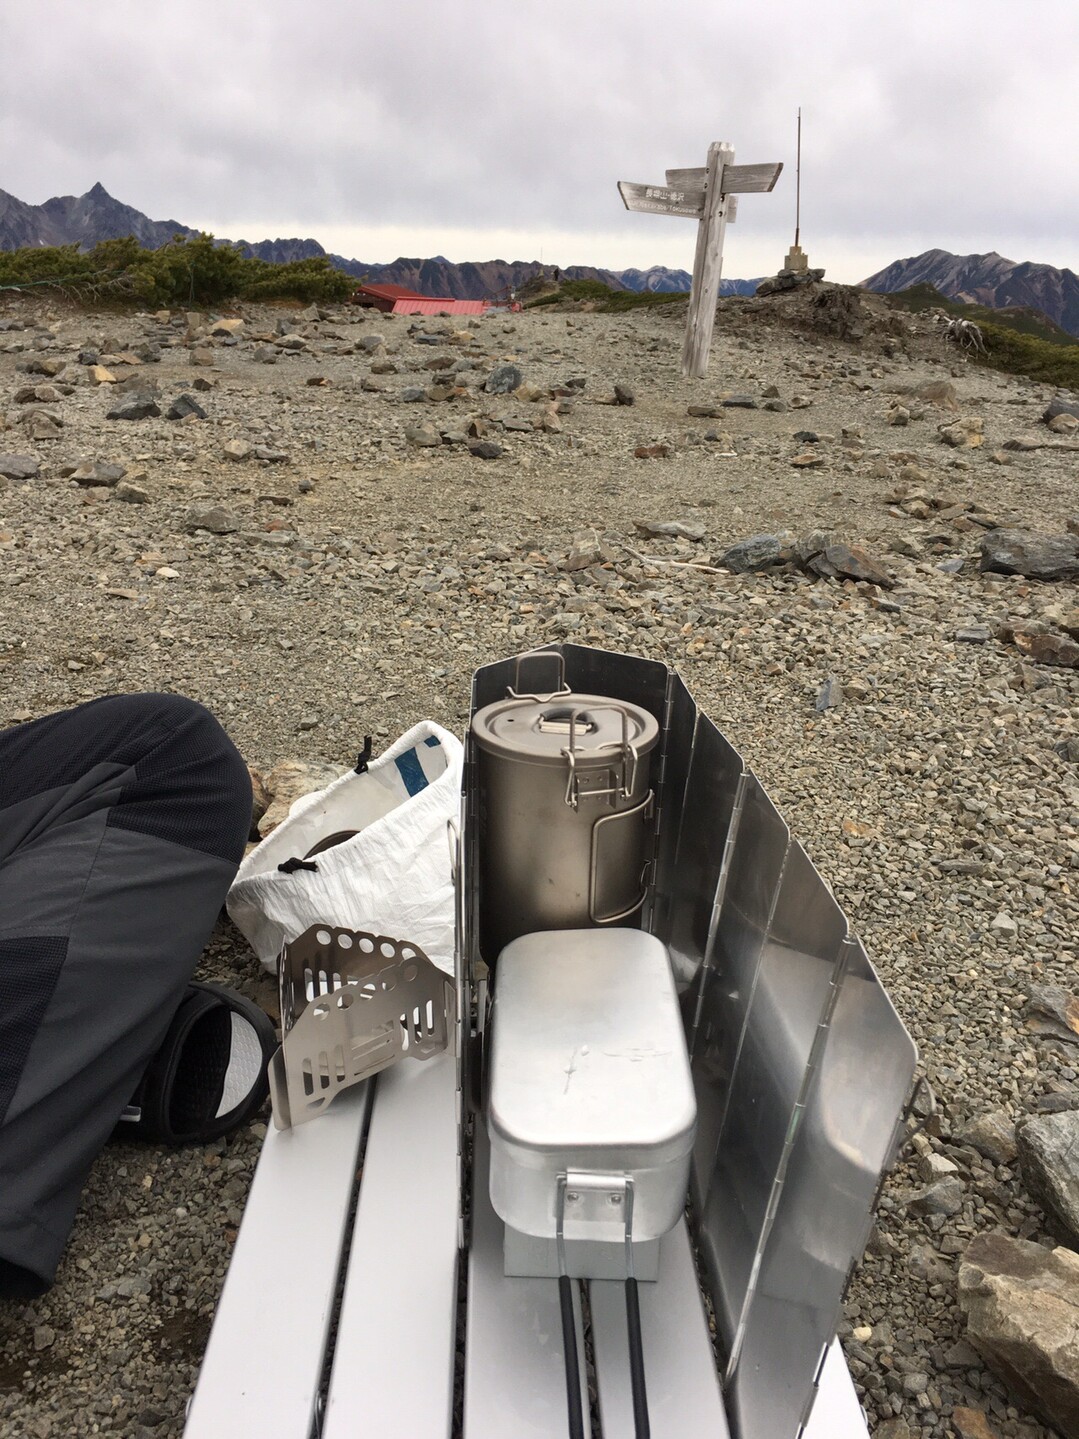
1049	1157
134	407
759	552
1061	404
850	562
1022	1308
1038	557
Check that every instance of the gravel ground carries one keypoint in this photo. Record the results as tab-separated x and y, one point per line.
363	578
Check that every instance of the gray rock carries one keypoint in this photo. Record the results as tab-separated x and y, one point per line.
503	379
739	402
789	280
759	552
97	472
1022	1308
670	529
185	405
1049	1158
217	520
893	1429
1056	1102
270	456
943	1197
237	450
1038	557
425	436
1061	405
815	543
585	551
486	449
43	426
413	394
134	407
704	412
853	563
830	696
132	494
974	634
624	395
1052	1012
19	467
926	1264
992	1135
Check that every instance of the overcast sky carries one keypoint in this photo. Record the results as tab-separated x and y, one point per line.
497	128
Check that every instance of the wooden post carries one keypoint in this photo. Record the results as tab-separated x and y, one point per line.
707	265
707	194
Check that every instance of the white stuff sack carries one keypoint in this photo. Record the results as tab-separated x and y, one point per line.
392	877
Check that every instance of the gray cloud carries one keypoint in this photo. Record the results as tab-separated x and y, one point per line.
948	123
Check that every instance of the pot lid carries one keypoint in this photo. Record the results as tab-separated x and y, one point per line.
540	731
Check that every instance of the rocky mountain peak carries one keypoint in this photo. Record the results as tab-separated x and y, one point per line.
990	279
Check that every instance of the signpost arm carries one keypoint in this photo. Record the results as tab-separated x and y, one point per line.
707	266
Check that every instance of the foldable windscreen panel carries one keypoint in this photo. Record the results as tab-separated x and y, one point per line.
845	1140
692	847
801	1066
751	883
781	994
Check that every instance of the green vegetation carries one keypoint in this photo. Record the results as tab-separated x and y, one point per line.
1019	354
608	301
184	272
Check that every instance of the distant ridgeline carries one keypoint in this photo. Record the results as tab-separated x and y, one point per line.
87	220
1033	295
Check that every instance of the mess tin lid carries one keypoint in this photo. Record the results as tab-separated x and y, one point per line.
541	730
598	1007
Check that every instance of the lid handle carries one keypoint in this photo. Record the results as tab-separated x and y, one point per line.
566	721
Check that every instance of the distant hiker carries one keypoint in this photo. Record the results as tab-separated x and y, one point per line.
557	274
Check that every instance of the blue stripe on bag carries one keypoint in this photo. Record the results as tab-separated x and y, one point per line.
411	772
432	741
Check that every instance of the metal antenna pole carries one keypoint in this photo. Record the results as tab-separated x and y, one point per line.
798	183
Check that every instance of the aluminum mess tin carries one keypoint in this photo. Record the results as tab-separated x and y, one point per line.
566	813
588	1075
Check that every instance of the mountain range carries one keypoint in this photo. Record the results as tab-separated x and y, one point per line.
988	280
85	220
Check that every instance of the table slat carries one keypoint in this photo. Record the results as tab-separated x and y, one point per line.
515	1378
684	1399
263	1364
393	1362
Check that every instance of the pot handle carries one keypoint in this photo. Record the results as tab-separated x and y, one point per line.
562	688
641	811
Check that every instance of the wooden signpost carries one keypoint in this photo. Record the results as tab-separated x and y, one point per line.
709	195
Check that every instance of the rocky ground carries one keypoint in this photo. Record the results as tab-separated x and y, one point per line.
352	511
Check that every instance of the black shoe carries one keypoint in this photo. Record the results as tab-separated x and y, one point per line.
209	1076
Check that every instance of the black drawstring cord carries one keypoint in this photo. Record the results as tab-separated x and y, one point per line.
290	866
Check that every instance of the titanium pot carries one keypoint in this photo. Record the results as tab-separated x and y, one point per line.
565	811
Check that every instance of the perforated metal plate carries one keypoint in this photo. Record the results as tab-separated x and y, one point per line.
352	1003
